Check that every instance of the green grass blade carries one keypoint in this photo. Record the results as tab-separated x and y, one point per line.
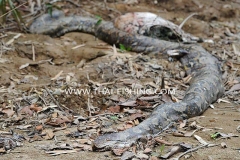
16	14
2	11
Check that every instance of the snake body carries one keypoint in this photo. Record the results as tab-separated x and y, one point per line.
206	85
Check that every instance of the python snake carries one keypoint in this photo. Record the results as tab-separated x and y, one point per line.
206	85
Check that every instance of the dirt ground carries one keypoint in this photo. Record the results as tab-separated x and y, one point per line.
32	64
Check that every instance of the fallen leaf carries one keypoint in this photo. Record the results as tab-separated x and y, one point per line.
9	112
153	158
35	108
142	156
26	110
235	87
147	150
135	116
131	111
82	141
127	155
128	125
129	104
84	147
119	151
200	140
189	133
227	135
166	98
183	124
114	109
55	115
39	127
49	134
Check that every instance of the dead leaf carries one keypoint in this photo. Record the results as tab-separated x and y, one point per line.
131	111
161	141
182	123
55	115
26	110
35	108
229	135
154	158
141	155
82	141
129	104
128	125
39	127
147	150
189	133
166	98
58	121
235	87
142	103
119	151
60	128
200	140
114	109
84	147
49	134
9	112
35	138
135	116
127	155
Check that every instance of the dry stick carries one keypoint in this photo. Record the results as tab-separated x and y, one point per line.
55	101
74	3
13	9
190	150
185	20
89	107
42	99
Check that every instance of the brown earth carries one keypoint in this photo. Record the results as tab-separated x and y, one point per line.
94	62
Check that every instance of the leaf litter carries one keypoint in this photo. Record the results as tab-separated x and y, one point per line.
43	112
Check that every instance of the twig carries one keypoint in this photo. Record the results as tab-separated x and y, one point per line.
74	3
55	101
42	99
190	150
185	20
104	114
13	9
89	107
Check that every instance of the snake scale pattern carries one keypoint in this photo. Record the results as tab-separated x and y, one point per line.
206	85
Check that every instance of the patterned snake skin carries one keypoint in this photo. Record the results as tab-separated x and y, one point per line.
206	83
